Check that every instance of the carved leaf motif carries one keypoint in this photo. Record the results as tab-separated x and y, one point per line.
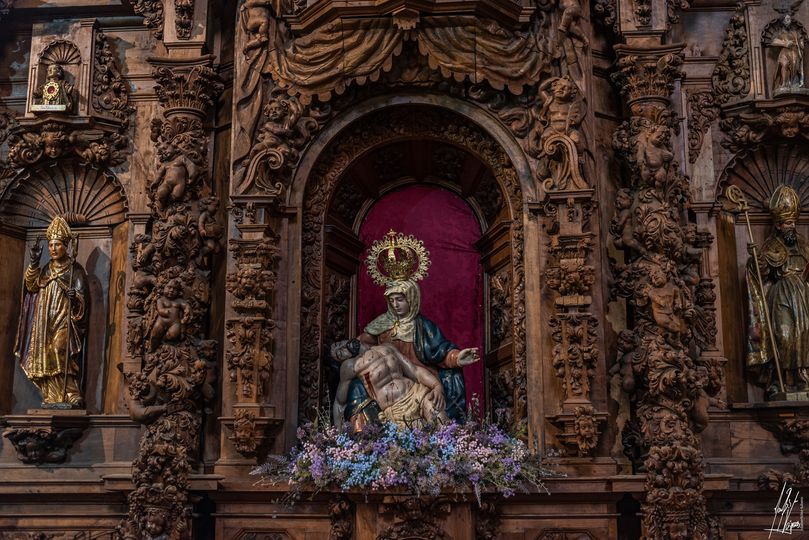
110	90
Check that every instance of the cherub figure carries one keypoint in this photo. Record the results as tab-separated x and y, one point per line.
155	524
255	17
666	303
654	156
562	112
570	22
171	313
626	349
173	176
210	230
692	256
621	224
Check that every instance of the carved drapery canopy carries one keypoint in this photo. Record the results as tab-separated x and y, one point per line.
335	54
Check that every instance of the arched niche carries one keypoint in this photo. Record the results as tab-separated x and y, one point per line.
382	151
94	203
757	172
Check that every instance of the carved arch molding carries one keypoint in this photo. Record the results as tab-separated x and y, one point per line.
374	130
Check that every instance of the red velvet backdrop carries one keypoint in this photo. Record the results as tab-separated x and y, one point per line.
452	292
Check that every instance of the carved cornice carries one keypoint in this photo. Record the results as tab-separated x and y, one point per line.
748	124
54	136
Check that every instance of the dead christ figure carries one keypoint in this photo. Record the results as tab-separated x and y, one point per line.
398	391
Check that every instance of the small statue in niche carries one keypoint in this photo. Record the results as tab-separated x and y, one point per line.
790	42
56	94
396	390
50	335
782	292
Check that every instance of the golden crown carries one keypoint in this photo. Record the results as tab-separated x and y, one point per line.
397	257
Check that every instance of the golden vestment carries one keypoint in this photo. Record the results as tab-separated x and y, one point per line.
46	326
787	298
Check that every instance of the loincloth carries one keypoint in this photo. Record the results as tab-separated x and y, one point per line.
407	410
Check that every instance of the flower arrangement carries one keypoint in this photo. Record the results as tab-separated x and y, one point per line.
439	458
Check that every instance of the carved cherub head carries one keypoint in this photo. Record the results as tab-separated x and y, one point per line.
657	276
155	522
564	89
626	341
623	199
277	111
658	135
173	289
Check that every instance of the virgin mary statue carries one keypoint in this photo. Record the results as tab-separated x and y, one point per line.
398	262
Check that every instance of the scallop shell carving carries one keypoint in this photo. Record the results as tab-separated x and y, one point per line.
60	51
759	172
82	195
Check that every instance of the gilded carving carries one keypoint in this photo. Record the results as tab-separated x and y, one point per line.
53	323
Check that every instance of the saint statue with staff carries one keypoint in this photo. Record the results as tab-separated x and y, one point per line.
778	299
53	323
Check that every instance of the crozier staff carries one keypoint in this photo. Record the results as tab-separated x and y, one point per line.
53	321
